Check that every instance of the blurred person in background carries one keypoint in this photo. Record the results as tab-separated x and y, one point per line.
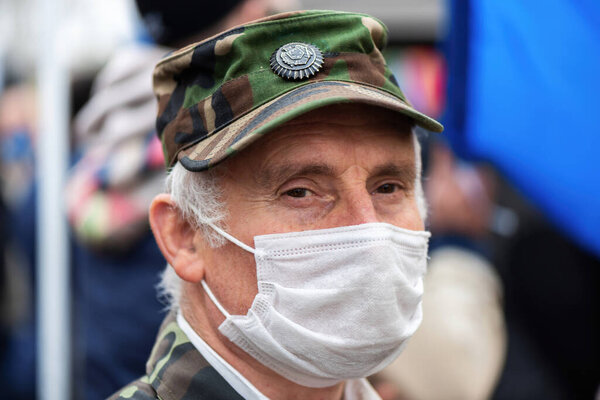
18	127
119	170
18	134
523	84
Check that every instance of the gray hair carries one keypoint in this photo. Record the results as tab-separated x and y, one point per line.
419	193
197	196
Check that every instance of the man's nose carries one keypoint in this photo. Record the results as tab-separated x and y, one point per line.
357	207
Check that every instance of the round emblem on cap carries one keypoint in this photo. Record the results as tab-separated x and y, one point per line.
297	60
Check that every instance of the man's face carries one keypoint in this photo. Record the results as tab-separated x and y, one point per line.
338	166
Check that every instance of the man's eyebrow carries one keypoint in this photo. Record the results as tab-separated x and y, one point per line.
406	172
279	173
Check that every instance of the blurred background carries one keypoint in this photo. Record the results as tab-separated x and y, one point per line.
512	303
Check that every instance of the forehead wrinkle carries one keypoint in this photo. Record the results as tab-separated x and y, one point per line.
277	173
280	172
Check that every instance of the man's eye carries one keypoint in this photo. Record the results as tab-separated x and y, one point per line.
387	188
298	192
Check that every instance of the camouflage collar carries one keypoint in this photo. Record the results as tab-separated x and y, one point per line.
177	371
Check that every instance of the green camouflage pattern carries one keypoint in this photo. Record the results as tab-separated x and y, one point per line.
177	371
218	96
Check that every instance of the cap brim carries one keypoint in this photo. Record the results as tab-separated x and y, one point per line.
253	125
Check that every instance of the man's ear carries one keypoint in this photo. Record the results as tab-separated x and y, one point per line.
177	239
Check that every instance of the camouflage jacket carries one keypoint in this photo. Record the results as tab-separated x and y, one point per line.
177	371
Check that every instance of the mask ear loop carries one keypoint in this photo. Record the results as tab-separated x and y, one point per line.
236	242
231	238
214	299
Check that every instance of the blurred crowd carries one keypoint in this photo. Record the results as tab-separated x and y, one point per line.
511	305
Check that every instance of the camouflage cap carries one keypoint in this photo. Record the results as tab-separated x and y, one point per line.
217	96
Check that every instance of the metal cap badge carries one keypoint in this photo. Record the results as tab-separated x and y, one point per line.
297	60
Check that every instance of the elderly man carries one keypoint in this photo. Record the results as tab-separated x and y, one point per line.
295	259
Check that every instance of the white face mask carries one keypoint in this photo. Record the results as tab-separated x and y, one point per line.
332	304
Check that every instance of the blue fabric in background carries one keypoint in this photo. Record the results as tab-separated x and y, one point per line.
117	315
531	104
